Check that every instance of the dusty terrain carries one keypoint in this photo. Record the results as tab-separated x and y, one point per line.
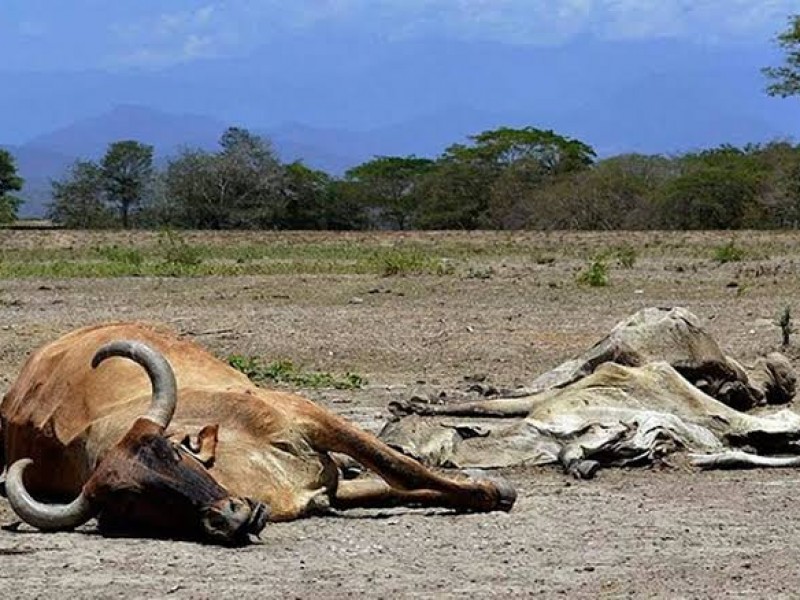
668	532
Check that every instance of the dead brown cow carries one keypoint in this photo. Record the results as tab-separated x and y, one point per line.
210	459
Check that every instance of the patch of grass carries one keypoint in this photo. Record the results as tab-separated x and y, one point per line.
285	372
410	261
626	256
178	254
120	254
729	252
596	273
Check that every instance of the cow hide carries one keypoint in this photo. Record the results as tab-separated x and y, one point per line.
656	385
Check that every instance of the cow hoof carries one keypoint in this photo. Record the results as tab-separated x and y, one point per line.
506	494
583	469
399	408
416	405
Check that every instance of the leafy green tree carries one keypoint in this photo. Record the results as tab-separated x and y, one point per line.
314	200
785	80
477	185
779	196
391	185
9	182
711	197
455	195
79	198
127	174
506	146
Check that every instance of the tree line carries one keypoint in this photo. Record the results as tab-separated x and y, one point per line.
505	178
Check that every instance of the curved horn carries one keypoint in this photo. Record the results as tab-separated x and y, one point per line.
47	517
162	378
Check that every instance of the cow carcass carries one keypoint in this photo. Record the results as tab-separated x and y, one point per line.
658	384
154	436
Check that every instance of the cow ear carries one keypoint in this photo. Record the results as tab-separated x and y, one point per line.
203	446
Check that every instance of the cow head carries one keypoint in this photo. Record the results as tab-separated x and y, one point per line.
147	485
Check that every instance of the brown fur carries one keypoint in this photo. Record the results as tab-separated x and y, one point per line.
270	446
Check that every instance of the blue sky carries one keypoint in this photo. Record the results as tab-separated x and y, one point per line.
83	34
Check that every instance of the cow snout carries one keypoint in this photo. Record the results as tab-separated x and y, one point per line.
233	520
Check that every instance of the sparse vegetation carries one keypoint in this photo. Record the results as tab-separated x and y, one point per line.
596	273
785	323
179	255
729	252
286	372
410	261
120	254
199	254
626	256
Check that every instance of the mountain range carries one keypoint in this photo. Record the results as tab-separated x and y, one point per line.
338	103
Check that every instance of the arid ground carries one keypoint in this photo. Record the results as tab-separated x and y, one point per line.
443	307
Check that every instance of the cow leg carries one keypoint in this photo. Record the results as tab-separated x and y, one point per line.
498	407
736	459
374	493
411	482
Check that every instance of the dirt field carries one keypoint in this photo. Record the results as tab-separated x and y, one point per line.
669	533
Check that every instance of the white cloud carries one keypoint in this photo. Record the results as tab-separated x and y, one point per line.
170	38
538	21
235	26
700	20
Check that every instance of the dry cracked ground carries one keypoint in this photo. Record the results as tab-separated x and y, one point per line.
667	532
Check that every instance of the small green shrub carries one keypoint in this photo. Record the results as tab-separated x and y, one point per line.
596	273
729	252
785	323
284	371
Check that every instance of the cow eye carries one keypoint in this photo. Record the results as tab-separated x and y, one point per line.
176	453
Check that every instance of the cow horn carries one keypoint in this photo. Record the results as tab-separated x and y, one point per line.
162	378
47	517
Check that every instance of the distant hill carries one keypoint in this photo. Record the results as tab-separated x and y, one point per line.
167	132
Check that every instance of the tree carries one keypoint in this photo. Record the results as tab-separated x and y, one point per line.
79	198
241	186
127	173
785	80
198	190
9	182
477	185
505	146
256	177
616	193
316	201
710	196
779	196
391	185
455	195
